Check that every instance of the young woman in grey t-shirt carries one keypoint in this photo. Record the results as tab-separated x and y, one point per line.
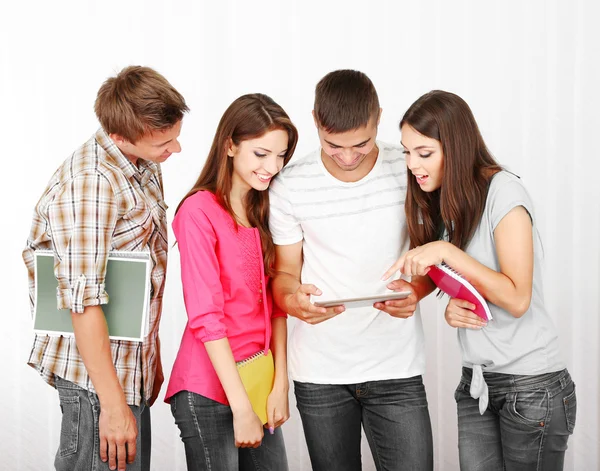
516	400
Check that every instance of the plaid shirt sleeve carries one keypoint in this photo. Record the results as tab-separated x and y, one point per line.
82	219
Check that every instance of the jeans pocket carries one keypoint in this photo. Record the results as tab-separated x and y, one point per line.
570	403
529	407
69	429
460	390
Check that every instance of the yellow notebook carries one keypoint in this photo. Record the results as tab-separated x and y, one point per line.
257	373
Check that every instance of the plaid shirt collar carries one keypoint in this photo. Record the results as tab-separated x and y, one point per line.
143	171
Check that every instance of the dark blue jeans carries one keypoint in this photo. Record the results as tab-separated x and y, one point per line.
79	447
525	427
393	414
206	428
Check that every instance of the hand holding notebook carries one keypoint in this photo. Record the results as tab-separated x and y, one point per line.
455	286
257	373
428	260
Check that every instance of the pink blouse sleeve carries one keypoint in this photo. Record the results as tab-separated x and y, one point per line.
200	273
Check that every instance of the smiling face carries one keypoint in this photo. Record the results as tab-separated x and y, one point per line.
349	155
424	158
257	161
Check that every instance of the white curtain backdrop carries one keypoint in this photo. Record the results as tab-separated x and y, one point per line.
530	71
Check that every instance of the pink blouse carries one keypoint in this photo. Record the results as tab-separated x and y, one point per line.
225	291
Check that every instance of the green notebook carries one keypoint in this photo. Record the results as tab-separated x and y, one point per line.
128	287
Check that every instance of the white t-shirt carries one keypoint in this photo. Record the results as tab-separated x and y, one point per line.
352	233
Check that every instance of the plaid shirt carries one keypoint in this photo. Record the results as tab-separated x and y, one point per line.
98	201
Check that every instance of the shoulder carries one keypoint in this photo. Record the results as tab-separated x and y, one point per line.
86	160
202	212
392	157
504	184
203	202
390	151
82	171
507	191
302	164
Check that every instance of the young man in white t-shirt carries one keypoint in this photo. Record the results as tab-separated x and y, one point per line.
338	222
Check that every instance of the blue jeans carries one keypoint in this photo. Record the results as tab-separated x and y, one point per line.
525	427
206	428
79	447
393	413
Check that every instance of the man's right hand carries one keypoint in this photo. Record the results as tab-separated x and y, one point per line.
118	434
298	305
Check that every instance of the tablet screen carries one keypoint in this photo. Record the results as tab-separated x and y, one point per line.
363	300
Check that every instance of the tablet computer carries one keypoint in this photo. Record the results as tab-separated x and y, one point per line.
364	300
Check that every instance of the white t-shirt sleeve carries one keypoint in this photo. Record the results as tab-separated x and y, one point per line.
285	227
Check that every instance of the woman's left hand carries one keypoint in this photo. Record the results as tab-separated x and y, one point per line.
278	407
418	260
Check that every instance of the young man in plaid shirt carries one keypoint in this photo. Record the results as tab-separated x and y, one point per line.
108	195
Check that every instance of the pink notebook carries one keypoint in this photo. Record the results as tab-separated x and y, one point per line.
455	286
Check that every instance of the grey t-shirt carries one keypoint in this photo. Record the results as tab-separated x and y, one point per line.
523	346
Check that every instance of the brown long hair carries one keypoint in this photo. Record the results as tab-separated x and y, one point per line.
248	117
458	204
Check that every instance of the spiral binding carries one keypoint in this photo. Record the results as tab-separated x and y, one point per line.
250	359
461	279
135	254
454	272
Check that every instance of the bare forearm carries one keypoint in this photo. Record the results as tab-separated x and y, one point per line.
422	285
284	286
221	356
279	349
494	286
93	343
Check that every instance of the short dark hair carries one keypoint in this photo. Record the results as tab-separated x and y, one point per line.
136	101
345	100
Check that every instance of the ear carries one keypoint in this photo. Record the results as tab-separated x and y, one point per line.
379	116
231	147
118	139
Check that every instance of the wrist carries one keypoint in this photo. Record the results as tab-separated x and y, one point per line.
112	400
287	302
240	407
446	252
281	382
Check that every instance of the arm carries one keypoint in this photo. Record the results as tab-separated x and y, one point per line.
159	377
246	424
290	294
117	423
278	410
204	302
82	219
511	287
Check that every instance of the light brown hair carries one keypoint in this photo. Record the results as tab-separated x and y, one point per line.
248	117
345	100
138	100
457	206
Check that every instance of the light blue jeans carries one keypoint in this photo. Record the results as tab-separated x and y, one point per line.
79	447
526	426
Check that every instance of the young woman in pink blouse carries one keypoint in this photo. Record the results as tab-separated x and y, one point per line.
226	254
